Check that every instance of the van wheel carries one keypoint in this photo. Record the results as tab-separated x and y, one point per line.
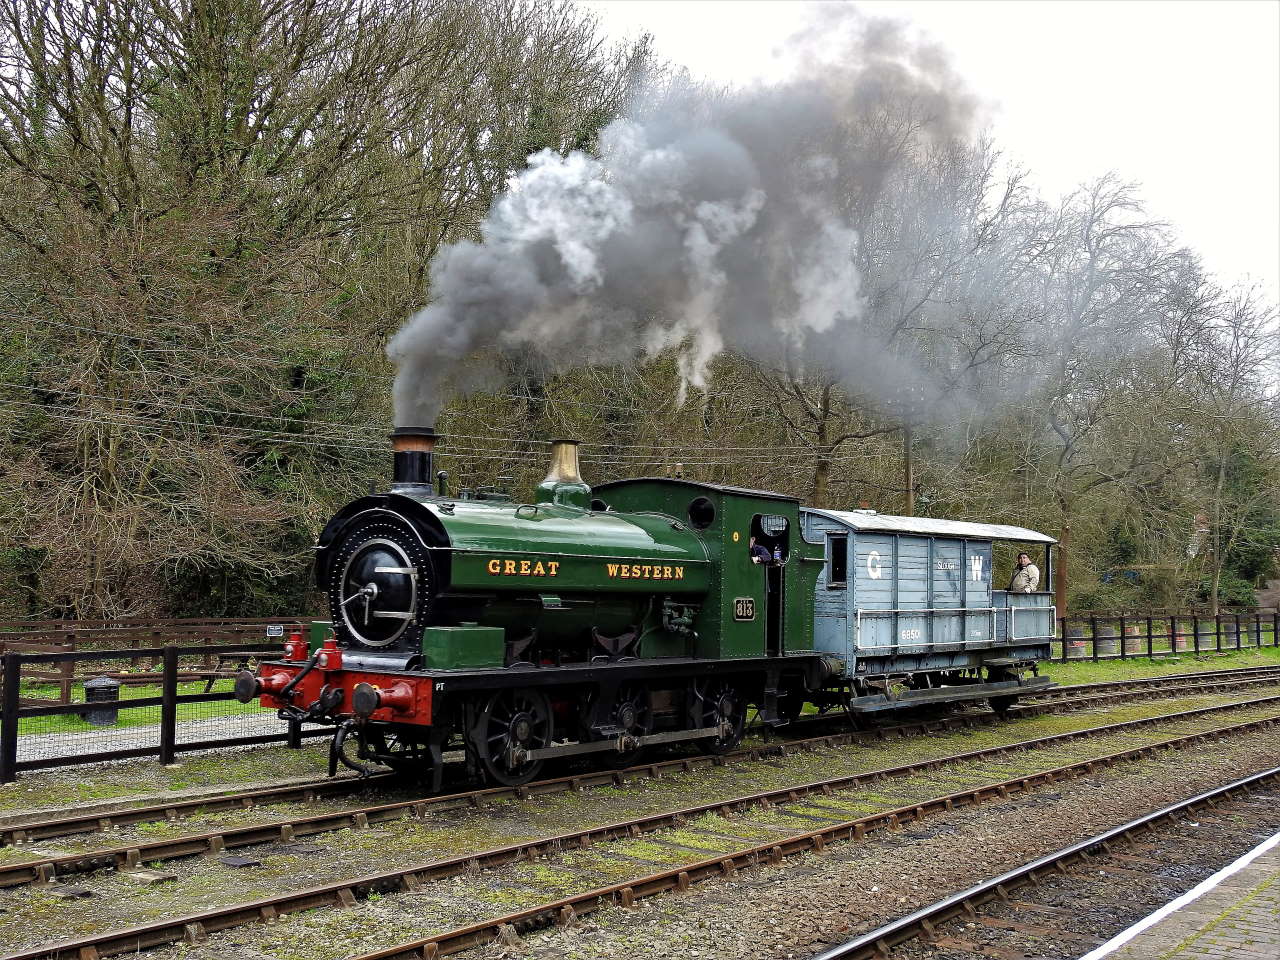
1001	705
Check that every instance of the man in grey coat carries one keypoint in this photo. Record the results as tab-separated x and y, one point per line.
1026	576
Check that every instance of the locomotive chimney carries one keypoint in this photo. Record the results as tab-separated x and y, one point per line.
412	471
563	483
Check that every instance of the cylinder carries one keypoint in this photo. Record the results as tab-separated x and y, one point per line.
1134	640
1106	644
413	448
98	690
1074	643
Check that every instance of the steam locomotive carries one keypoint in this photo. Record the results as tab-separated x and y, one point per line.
612	620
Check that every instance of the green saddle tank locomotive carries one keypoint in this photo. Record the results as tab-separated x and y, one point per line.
644	612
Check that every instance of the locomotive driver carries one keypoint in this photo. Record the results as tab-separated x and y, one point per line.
759	552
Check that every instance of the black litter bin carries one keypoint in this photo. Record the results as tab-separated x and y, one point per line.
101	689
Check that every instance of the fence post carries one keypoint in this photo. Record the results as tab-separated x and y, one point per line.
1195	629
9	716
1275	628
294	730
1236	617
1151	650
169	705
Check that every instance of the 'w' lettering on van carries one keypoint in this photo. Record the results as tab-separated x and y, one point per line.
643	571
975	568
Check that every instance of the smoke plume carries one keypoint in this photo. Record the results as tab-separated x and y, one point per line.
707	221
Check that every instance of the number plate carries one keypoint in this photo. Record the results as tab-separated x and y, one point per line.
744	608
275	629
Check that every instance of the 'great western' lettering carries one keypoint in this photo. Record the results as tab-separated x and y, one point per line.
523	568
643	571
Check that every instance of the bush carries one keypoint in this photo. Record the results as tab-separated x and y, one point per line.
1233	591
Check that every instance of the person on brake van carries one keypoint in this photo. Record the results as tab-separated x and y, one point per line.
1026	576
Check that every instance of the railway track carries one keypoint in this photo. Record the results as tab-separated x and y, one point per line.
1062	699
991	907
836	827
132	855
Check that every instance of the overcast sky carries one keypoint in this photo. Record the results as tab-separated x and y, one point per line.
1183	97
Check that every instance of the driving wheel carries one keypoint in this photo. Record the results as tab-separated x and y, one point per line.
633	715
721	706
514	722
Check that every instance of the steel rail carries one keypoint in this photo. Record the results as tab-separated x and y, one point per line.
30	831
1045	702
346	893
1173	677
131	855
1179	682
878	942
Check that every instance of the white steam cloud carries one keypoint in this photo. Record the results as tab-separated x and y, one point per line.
707	222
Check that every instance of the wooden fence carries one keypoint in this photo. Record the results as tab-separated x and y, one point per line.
157	732
1107	635
131	642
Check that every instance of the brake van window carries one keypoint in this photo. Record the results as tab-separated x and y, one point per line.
837	560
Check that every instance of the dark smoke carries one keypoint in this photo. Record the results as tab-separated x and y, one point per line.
708	222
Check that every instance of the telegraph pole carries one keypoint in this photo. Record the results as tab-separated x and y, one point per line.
909	468
1060	573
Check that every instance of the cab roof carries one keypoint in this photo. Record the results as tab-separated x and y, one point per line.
870	521
717	487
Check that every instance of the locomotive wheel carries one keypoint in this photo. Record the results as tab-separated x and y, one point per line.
633	713
791	706
514	720
719	703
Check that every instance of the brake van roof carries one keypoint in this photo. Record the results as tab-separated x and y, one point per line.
869	520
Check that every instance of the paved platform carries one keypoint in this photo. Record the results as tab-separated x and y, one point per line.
1235	913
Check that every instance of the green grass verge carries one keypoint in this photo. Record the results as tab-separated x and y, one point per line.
1086	671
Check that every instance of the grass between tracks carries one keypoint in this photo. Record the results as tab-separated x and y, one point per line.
1087	671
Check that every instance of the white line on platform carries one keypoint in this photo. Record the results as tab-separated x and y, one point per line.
1195	893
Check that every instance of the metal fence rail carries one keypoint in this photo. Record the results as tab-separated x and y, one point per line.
162	721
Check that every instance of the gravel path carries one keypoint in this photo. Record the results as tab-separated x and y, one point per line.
45	746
